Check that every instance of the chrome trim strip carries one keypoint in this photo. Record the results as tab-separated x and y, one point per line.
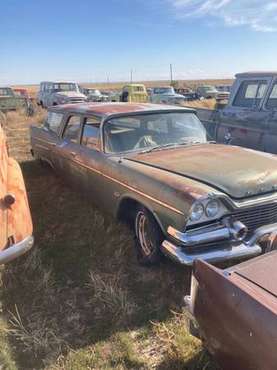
42	147
261	232
130	188
16	250
179	255
246	249
42	140
203	235
263	199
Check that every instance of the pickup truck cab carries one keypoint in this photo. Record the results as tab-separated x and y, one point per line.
166	95
250	118
9	101
135	93
59	92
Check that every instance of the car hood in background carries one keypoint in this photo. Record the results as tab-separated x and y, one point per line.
70	94
236	171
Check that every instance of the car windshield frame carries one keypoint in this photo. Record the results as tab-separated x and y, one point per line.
163	90
59	89
106	121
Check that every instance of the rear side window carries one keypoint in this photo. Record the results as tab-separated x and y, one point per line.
54	121
91	133
272	100
250	94
73	128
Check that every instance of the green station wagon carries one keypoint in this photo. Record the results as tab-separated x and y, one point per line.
153	167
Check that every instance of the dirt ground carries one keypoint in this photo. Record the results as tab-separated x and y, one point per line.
79	300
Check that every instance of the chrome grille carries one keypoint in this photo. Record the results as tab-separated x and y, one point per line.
258	216
76	100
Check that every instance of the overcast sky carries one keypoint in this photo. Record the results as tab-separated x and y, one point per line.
96	40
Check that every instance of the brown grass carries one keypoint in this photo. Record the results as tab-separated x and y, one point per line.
79	300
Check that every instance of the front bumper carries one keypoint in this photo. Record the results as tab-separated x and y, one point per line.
232	250
16	250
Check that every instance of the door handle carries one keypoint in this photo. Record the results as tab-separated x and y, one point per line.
228	138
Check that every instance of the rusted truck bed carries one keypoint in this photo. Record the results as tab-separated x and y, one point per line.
236	310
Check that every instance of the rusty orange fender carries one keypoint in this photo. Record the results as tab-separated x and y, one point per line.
16	226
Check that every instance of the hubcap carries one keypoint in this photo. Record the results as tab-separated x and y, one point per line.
144	234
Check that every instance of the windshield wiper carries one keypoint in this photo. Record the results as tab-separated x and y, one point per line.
160	147
157	147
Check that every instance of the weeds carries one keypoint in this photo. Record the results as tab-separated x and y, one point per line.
110	299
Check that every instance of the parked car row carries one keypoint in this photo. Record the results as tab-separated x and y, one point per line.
56	92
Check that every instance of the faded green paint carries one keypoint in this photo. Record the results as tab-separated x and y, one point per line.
9	100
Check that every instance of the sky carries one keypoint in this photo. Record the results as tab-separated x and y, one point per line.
101	40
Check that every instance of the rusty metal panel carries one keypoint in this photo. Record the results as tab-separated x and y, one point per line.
227	168
257	271
15	220
3	189
237	319
19	217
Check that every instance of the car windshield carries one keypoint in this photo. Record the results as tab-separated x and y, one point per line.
5	92
65	87
94	92
209	88
152	131
163	90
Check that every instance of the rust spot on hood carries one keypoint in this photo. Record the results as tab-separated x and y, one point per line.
236	171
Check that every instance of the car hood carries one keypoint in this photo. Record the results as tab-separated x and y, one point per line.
70	94
236	171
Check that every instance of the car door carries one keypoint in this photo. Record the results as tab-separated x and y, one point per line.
93	159
244	122
66	155
271	109
45	138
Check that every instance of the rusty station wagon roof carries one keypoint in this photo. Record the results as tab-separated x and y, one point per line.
107	109
256	74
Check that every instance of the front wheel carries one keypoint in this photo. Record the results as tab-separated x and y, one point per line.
148	238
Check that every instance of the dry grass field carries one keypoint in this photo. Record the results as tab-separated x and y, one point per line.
79	300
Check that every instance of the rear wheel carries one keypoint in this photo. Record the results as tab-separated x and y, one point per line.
148	238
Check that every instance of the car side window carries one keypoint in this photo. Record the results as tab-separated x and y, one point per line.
53	121
72	129
250	94
272	100
91	133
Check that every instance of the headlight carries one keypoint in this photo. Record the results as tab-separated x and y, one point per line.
212	208
196	212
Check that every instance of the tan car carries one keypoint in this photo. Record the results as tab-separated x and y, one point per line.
15	219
